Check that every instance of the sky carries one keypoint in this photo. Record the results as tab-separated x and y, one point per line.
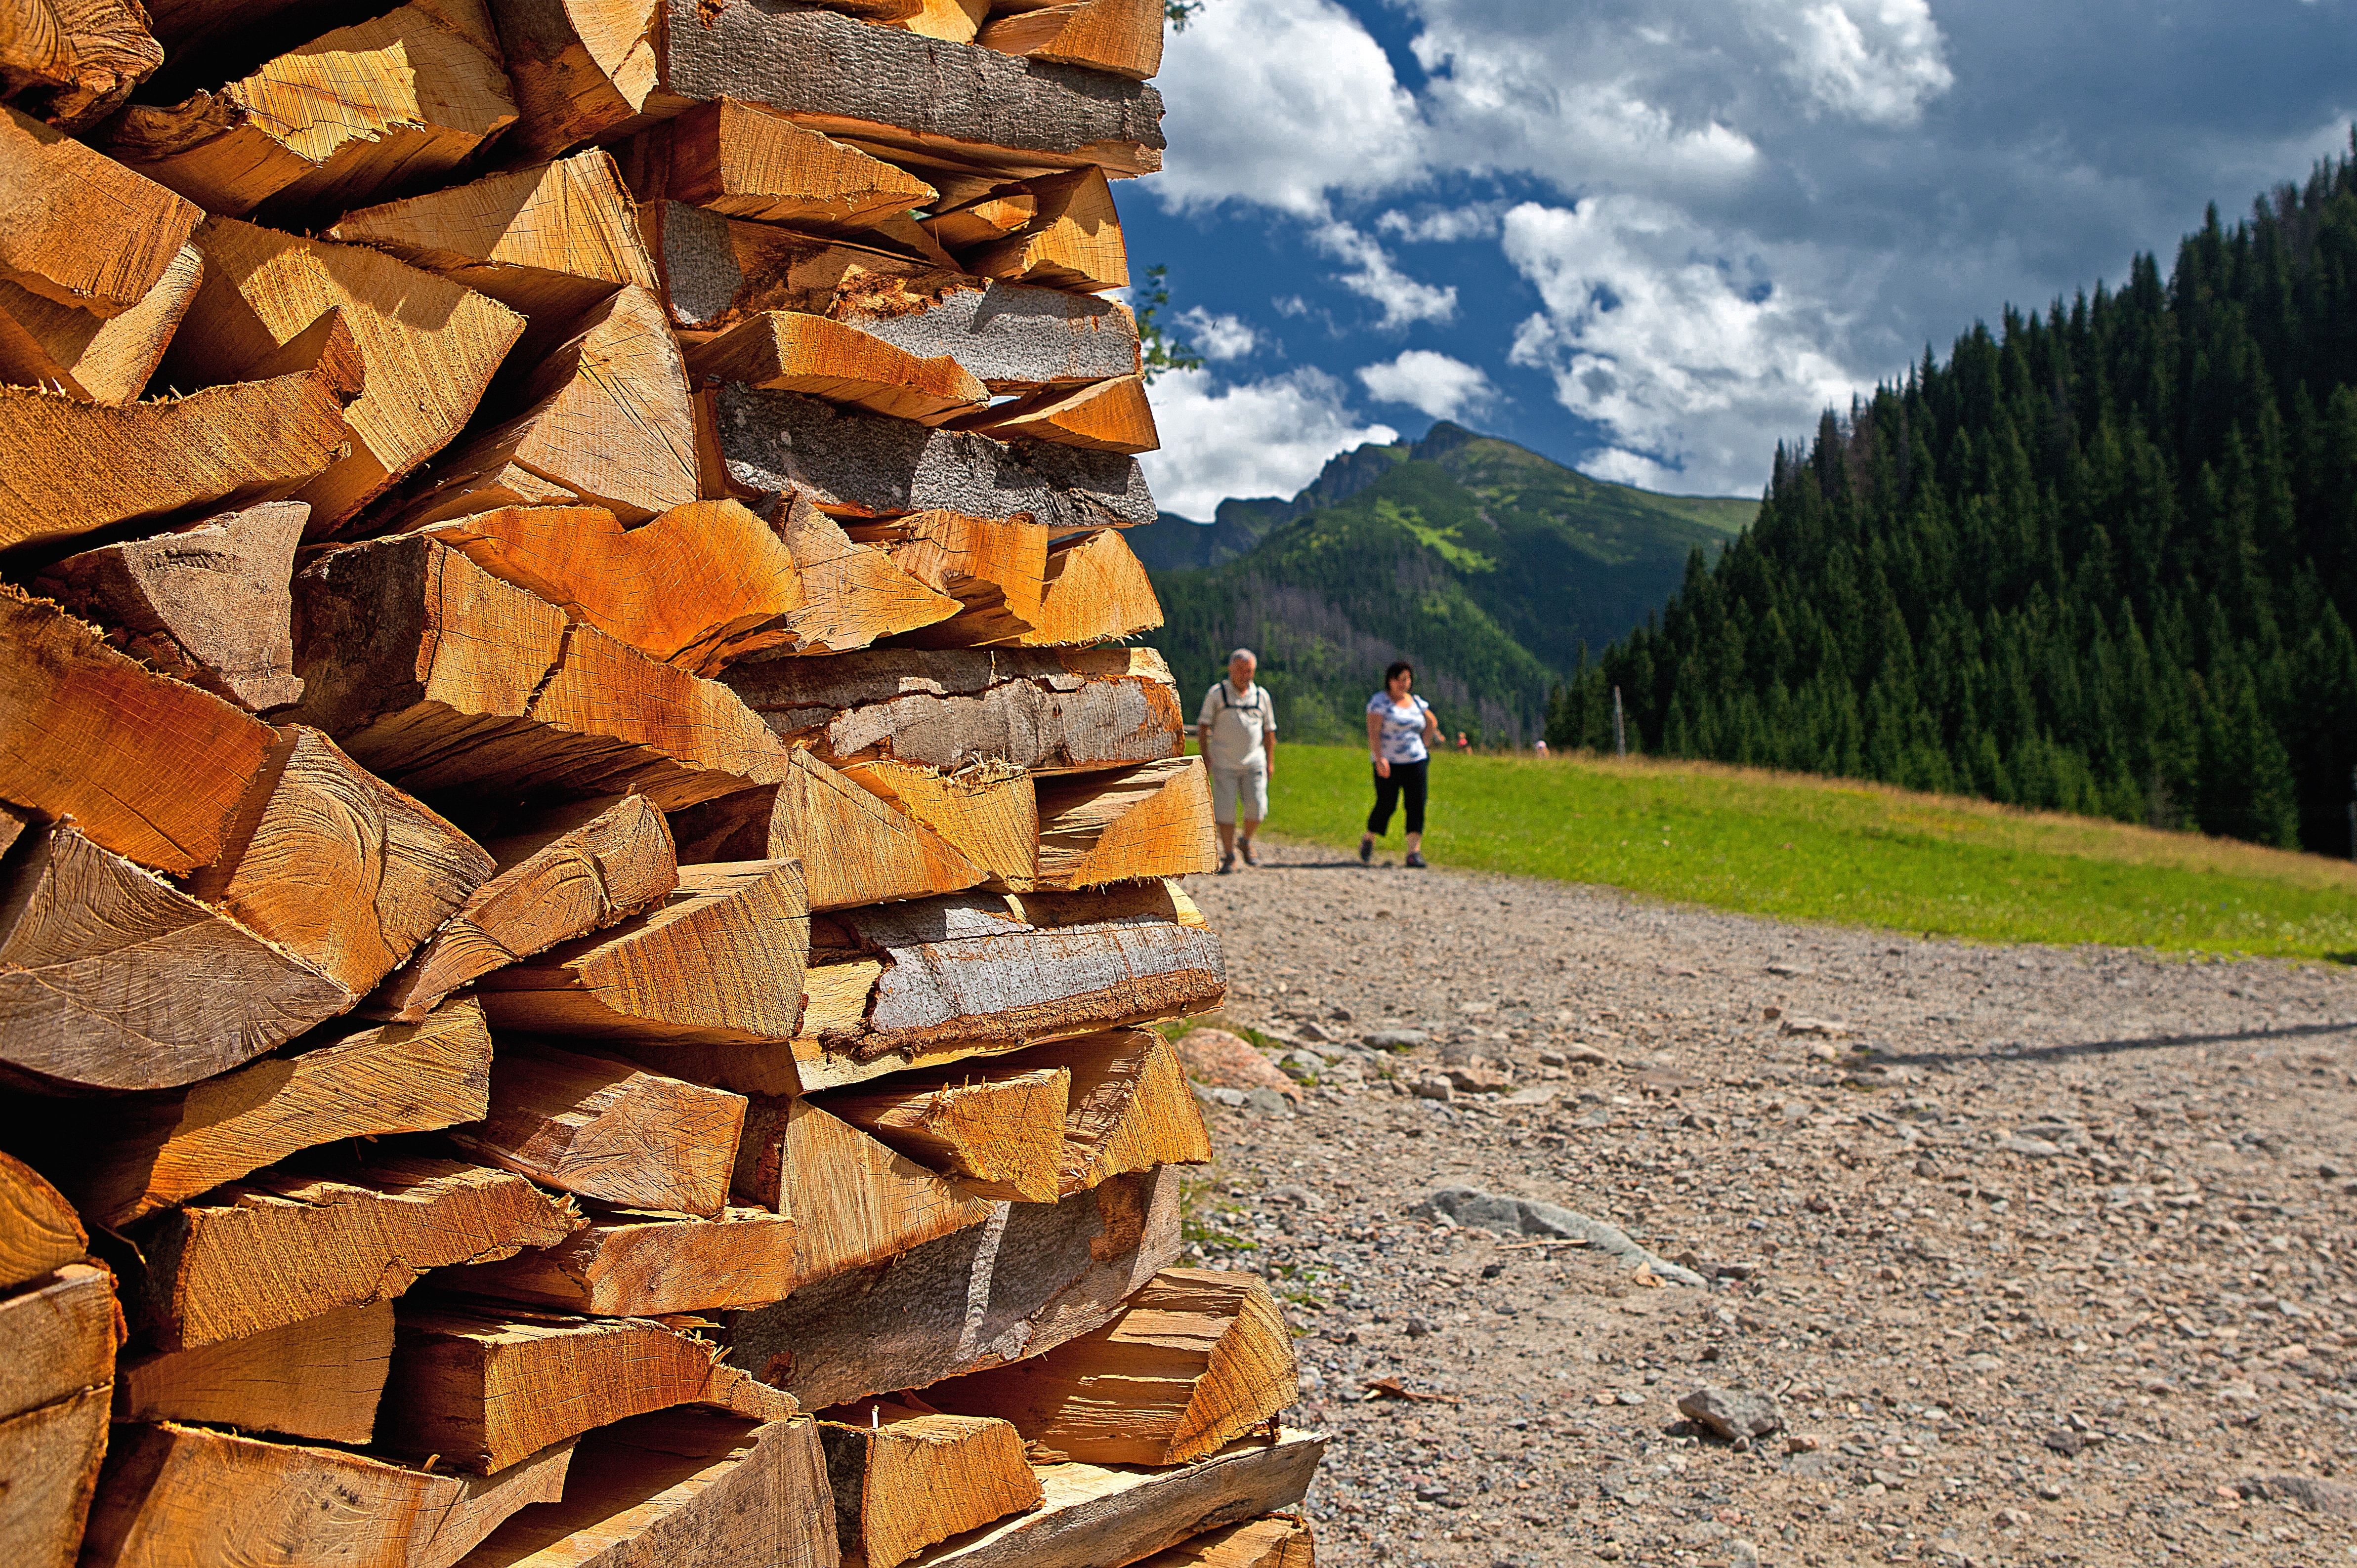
1654	238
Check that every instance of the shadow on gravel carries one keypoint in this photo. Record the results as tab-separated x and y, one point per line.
2113	1047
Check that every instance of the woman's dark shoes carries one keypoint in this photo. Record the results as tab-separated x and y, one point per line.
1227	860
1244	849
1366	852
1415	860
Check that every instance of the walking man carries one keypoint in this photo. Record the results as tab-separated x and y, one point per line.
1237	730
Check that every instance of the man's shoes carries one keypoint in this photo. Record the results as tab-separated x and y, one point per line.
1244	849
1366	852
1227	862
1415	860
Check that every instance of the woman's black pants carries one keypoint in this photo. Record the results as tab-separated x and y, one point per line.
1408	779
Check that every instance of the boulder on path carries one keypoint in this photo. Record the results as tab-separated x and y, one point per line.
1736	1414
1529	1216
1226	1060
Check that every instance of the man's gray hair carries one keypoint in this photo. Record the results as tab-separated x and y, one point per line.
1244	653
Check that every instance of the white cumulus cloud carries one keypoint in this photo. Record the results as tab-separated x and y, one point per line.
1875	60
1255	438
1219	336
1375	276
1441	386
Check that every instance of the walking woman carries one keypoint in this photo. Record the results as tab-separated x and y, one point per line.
1400	727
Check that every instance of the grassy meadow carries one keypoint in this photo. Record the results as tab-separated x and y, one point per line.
1815	849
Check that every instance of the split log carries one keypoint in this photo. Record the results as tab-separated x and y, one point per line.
1040	711
855	1202
853	594
39	1231
354	115
1133	903
440	677
484	1388
336	866
956	20
1012	337
853	847
1104	416
1280	1540
99	360
147	463
112	979
71	63
795	352
182	1494
747	160
608	423
718	272
1007	210
318	1379
990	815
647	1265
80	229
999	1131
207	604
995	567
1195	1359
124	1159
1035	1275
679	1487
720	964
1093	1515
1096	591
428	346
605	1129
903	1481
581	69
62	1332
1075	243
1124	37
576	870
287	1245
1128	825
863	465
1129	1107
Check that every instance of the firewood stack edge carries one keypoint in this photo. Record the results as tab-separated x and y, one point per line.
586	861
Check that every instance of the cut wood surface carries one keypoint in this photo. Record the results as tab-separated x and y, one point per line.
1075	243
1124	37
1096	591
287	1245
993	217
1105	416
39	1231
1127	825
346	119
716	270
71	63
175	1496
577	869
852	593
336	866
646	1265
1130	1108
854	1202
1281	1541
1014	337
428	345
80	229
318	1379
903	1481
208	605
1195	1359
103	359
995	567
990	815
1043	711
719	963
484	1388
610	1131
439	677
863	465
746	160
796	352
679	1487
1033	1276
1150	902
999	1131
62	1331
581	69
956	20
1093	1515
51	1454
122	1159
112	979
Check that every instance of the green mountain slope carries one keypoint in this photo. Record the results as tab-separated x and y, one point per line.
1482	562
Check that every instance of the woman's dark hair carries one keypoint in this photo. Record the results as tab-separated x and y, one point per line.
1399	667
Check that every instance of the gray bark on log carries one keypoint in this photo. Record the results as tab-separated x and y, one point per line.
1014	337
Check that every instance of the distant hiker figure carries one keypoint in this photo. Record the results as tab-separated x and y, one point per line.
1462	743
1400	726
1541	748
1237	730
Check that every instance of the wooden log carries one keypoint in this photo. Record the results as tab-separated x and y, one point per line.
608	1131
854	1201
81	229
1095	1515
39	1231
1004	211
287	1245
1280	1540
145	465
989	815
99	360
746	160
679	1487
1013	337
318	1379
62	1331
795	352
575	870
1075	243
1124	37
999	1131
1129	1107
720	964
336	866
1105	416
608	423
122	1159
1033	1276
853	593
177	1495
995	567
356	114
1128	825
718	272
903	1481
862	464
581	70
956	20
484	1387
647	1265
71	63
1096	590
428	346
440	677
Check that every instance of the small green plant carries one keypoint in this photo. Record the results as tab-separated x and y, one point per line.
1178	13
1159	348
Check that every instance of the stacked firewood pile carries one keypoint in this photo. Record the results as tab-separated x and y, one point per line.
583	857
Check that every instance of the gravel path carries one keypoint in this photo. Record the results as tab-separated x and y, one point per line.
2048	1258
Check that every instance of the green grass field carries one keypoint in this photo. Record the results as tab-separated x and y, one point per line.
1813	848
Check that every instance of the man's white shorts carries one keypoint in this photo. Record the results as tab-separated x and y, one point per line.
1232	786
